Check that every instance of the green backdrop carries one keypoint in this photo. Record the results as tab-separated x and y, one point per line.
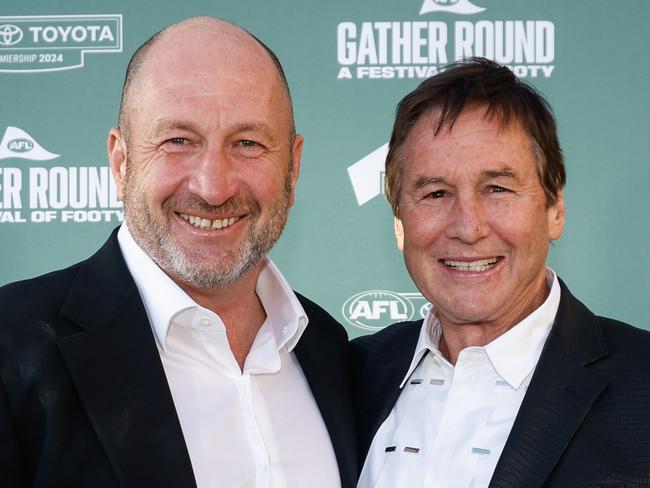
348	64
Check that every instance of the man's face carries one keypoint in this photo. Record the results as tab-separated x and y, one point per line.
209	172
475	220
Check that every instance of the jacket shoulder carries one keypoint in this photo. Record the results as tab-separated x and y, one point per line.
35	296
626	342
320	319
617	329
395	338
391	335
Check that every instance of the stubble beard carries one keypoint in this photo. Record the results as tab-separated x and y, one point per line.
203	271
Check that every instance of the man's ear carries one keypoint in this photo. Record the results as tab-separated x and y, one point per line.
399	234
295	168
116	147
556	217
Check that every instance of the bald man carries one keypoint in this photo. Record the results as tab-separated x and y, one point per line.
178	355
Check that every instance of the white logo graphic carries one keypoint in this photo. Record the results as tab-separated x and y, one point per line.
16	143
10	34
366	175
375	309
463	7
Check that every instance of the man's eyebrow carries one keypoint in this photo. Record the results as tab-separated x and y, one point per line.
253	126
431	180
498	173
161	125
484	175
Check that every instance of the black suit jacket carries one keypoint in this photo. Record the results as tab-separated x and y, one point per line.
84	401
585	418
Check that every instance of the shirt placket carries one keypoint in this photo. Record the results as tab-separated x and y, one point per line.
212	335
447	453
253	433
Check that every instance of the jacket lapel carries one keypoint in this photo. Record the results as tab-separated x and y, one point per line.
378	381
116	368
558	399
324	367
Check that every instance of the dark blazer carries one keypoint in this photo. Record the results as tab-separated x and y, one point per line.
84	401
585	419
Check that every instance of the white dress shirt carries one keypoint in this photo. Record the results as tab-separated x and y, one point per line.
257	428
450	423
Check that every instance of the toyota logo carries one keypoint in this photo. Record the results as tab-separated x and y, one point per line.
10	35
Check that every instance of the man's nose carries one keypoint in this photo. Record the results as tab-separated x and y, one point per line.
468	220
214	178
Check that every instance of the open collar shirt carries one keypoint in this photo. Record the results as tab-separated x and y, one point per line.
451	422
258	427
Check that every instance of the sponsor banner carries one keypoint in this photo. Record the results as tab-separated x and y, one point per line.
375	309
391	49
41	43
33	193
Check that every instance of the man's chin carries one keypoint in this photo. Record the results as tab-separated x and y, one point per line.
202	272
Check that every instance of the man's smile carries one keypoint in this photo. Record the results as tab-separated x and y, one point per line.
478	265
203	223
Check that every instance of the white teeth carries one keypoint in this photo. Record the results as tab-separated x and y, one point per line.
202	223
480	265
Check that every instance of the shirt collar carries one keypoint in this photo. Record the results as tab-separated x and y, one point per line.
515	353
163	299
285	313
428	340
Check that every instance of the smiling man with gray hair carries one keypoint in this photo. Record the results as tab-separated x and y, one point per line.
178	355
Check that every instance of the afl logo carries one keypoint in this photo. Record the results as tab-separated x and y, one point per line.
20	145
10	34
375	309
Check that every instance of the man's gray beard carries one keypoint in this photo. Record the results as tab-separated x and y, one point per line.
170	256
252	250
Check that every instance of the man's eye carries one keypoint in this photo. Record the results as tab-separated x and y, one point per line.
497	189
179	141
437	194
248	143
247	148
176	145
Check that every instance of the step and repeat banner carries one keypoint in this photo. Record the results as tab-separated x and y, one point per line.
348	64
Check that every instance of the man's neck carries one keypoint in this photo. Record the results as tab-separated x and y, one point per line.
238	306
455	337
458	336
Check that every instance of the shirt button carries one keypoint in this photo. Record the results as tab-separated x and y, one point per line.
205	322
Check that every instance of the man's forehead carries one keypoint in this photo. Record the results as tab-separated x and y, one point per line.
184	72
474	118
200	46
477	146
204	57
210	83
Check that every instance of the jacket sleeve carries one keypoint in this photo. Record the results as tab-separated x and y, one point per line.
12	466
